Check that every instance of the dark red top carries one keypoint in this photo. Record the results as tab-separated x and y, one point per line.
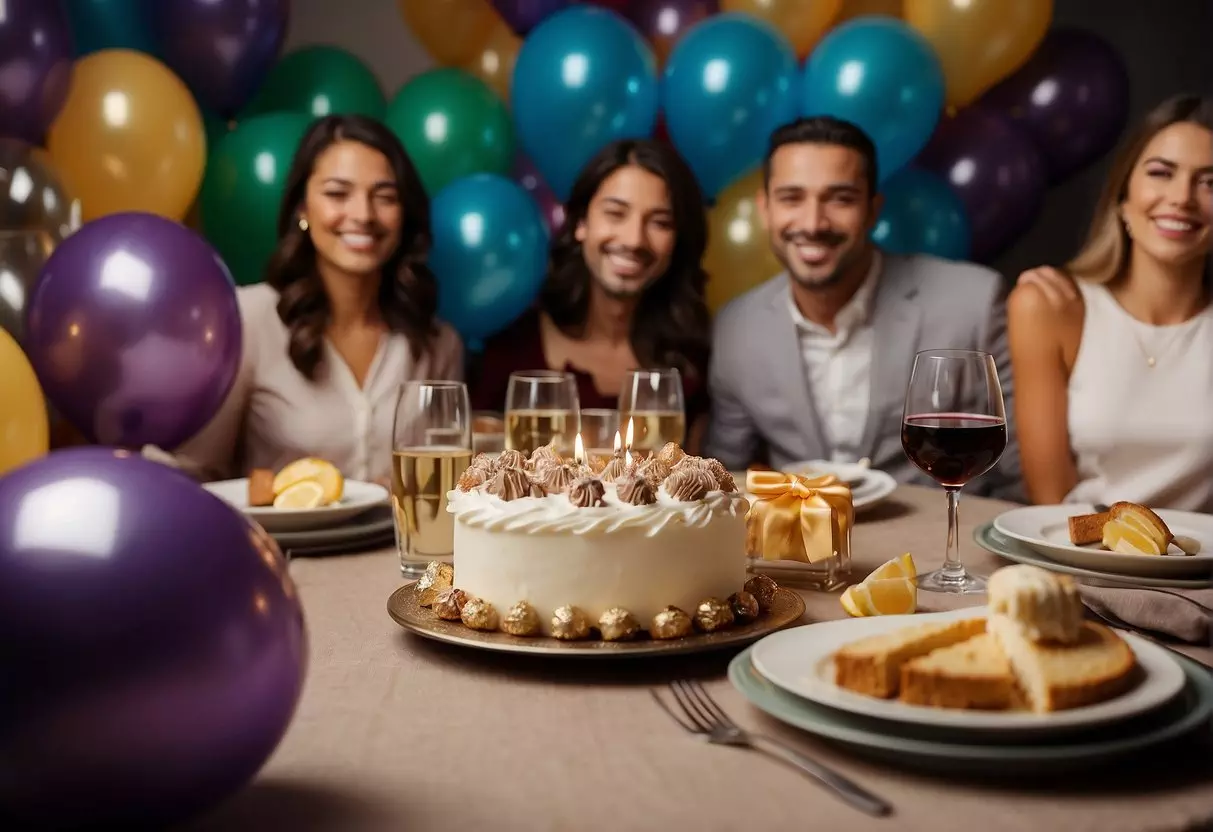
520	347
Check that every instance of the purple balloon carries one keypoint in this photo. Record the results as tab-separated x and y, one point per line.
996	170
134	331
531	180
222	49
35	66
668	20
1072	97
524	15
156	646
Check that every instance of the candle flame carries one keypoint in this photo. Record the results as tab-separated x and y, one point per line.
631	434
578	450
618	443
627	458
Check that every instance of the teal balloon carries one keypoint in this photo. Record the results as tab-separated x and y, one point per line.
109	24
884	77
452	125
489	253
730	81
319	81
243	188
922	215
583	79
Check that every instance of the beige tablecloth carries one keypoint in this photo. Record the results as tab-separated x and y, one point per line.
396	732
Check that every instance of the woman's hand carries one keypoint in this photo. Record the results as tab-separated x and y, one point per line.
1057	287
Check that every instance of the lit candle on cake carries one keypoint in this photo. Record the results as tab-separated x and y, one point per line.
627	445
578	450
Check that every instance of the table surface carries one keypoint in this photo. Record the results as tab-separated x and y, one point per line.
397	732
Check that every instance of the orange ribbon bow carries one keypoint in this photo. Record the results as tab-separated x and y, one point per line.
798	518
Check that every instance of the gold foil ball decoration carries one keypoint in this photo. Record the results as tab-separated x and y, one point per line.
438	576
521	620
744	606
449	604
617	624
713	614
478	614
570	624
671	623
763	588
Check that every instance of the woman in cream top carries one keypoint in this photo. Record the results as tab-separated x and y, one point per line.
1114	380
346	316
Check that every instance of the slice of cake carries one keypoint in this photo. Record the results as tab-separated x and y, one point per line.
872	665
1097	666
1046	606
1086	529
972	674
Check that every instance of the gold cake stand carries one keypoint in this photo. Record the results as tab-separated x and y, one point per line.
404	609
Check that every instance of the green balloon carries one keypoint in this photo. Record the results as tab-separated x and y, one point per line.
452	125
319	81
243	189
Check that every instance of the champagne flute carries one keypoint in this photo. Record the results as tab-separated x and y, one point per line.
542	406
652	411
954	428
431	448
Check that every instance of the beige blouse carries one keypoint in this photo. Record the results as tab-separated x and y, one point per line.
274	415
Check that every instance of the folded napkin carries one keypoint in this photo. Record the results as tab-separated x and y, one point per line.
1183	614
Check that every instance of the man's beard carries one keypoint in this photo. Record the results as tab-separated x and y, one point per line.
828	239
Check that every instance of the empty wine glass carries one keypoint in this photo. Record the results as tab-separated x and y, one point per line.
542	406
954	428
651	400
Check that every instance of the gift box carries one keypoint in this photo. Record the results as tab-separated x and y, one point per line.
799	523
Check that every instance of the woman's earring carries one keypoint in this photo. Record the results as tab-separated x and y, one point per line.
303	223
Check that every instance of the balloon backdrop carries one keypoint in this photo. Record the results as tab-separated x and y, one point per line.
489	255
162	646
664	22
860	8
32	196
1072	96
35	66
452	125
531	180
881	75
584	78
979	42
319	81
524	15
995	169
24	425
134	331
243	189
922	215
222	49
729	82
22	256
452	31
739	253
110	24
494	62
801	23
129	137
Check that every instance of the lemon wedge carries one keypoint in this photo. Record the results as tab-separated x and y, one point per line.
321	471
891	589
303	494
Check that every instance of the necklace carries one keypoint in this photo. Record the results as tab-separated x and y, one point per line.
1151	356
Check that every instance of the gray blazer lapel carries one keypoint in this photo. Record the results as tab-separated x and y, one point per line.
788	365
896	319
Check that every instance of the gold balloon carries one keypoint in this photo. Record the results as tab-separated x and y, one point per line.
22	256
494	62
452	31
861	8
803	24
130	137
739	254
33	197
24	427
979	42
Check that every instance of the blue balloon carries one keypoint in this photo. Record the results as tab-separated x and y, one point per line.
110	24
729	82
922	215
584	78
489	254
883	76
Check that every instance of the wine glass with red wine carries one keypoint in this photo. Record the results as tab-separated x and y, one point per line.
954	429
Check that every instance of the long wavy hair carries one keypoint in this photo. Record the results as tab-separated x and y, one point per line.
1104	255
671	324
408	292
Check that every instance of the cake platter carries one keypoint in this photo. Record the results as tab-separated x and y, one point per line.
404	608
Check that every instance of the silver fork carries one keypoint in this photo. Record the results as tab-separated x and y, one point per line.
705	718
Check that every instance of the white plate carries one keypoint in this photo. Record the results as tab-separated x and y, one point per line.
800	661
358	497
869	487
1045	529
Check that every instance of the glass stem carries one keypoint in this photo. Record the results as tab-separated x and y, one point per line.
953	570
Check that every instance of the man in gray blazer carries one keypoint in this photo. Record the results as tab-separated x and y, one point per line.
814	363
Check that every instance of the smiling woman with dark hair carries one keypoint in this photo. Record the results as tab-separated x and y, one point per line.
346	315
625	287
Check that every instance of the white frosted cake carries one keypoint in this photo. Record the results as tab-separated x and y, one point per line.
548	547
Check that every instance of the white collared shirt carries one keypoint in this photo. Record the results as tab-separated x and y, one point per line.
838	366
